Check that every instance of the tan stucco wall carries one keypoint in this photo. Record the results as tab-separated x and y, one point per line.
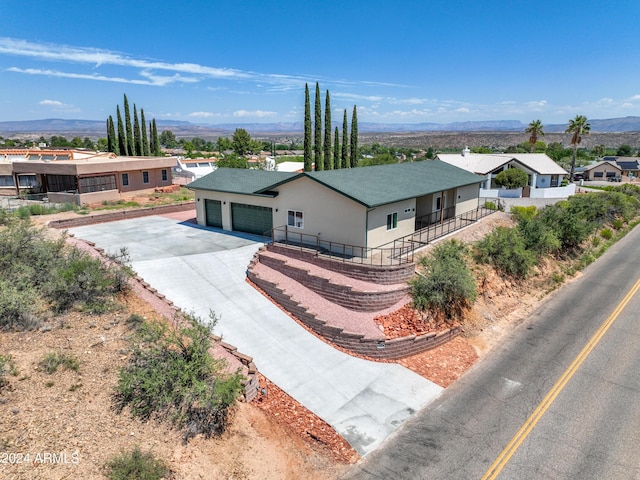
336	217
424	205
227	199
136	183
604	168
467	198
378	233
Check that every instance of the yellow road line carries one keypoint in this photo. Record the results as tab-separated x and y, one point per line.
519	437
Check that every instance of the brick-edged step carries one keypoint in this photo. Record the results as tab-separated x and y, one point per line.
325	317
354	294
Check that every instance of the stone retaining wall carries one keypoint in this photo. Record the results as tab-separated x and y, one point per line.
385	275
357	343
83	220
344	295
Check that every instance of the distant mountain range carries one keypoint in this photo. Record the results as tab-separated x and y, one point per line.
95	128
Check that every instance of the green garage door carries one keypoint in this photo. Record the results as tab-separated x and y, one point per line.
251	218
213	212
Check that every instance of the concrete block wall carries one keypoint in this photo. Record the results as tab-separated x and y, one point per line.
373	348
122	215
384	275
344	295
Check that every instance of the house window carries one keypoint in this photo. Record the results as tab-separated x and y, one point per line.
145	177
295	219
98	183
27	180
392	221
6	181
597	174
164	175
125	179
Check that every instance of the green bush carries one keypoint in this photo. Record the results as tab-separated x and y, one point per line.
52	361
523	213
447	286
512	178
617	224
136	465
538	236
171	375
504	248
606	233
18	306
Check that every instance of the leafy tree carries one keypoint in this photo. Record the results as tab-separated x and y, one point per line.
146	150
577	127
354	138
337	163
168	139
137	138
224	144
241	142
430	153
88	144
557	152
328	160
380	159
232	161
535	130
345	136
102	145
512	178
76	142
447	286
127	120
307	130
122	139
624	150
317	133
598	150
482	150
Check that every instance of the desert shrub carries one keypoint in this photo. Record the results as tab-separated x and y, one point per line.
136	465
606	233
447	286
617	223
567	224
538	236
523	213
54	360
171	375
18	305
7	366
82	279
504	248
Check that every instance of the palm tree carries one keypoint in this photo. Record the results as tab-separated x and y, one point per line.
577	127
534	130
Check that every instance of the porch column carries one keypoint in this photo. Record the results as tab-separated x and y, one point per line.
534	180
487	183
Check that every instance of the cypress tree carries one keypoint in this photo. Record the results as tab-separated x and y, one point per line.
317	137
122	140
336	150
136	132
345	139
112	143
307	130
145	139
328	161
127	120
156	140
354	138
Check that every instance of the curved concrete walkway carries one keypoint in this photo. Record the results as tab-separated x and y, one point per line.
202	269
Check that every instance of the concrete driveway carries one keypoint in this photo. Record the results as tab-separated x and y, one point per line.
202	269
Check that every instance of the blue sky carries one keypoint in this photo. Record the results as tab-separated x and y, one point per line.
400	61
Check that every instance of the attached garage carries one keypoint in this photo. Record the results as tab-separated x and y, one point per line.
251	218
213	213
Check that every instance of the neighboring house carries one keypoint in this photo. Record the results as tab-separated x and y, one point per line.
629	166
602	171
290	167
364	207
545	175
81	177
198	167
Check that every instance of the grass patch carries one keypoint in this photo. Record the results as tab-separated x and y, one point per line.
136	465
7	366
54	360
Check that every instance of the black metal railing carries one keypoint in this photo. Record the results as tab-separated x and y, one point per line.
398	252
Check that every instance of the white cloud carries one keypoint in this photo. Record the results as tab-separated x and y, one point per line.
354	96
79	76
52	103
254	113
202	114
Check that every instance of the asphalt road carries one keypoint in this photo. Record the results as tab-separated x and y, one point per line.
588	429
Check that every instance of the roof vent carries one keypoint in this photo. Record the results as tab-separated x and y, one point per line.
465	151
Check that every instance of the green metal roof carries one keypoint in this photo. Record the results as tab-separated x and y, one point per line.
370	186
240	180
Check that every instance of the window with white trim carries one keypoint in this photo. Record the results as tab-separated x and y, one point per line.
295	218
392	221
